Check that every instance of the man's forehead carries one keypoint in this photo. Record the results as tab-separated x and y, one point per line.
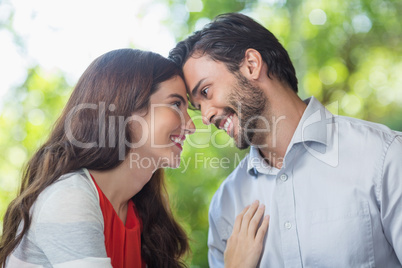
198	57
197	67
193	71
193	59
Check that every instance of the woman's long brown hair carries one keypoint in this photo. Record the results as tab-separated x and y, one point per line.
88	134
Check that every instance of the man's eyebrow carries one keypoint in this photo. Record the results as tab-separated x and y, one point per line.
175	95
195	89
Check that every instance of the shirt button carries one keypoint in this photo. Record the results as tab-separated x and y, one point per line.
255	172
284	177
288	225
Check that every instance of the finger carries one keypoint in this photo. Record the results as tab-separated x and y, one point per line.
248	216
255	221
238	221
263	229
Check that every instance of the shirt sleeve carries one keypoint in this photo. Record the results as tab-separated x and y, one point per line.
220	230
69	227
216	247
391	198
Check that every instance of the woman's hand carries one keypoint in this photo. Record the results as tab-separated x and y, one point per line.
244	246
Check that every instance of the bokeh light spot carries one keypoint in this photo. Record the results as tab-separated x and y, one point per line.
317	17
194	5
328	75
361	24
36	117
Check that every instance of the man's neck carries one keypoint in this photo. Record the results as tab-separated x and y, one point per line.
284	115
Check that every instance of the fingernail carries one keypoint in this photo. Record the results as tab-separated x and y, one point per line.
256	202
262	206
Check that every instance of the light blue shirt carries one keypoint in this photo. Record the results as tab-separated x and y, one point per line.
336	202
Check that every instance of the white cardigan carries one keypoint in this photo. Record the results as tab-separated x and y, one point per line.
66	228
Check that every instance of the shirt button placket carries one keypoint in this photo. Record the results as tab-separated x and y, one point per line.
288	225
286	206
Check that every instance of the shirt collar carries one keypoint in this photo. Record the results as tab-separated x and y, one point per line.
257	164
313	127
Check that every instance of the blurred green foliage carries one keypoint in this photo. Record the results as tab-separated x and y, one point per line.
347	53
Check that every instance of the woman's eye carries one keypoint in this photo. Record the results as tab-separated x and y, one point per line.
204	92
177	104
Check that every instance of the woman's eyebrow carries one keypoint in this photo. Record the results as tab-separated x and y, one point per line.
174	95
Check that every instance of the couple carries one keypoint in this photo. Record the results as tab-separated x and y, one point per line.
331	185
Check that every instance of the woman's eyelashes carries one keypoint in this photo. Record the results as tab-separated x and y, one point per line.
177	103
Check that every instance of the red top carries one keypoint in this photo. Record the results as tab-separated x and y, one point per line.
123	243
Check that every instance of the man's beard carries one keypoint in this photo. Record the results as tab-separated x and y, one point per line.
250	103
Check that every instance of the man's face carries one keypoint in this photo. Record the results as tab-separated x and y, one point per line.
230	101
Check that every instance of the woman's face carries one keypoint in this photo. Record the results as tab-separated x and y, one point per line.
160	133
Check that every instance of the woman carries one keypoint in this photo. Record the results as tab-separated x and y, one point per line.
93	195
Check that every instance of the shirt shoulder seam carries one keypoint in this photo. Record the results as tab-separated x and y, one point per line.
384	156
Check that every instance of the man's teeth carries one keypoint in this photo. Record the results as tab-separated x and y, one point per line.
177	140
227	123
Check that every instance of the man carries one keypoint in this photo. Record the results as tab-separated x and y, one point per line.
331	184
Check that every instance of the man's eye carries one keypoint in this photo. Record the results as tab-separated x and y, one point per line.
204	92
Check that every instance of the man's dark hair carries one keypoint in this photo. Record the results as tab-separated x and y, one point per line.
227	38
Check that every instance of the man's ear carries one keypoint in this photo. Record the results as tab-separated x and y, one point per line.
252	64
